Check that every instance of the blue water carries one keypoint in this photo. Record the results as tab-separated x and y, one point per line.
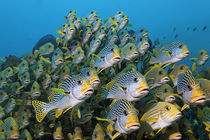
24	22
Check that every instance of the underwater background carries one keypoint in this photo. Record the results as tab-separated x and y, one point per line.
24	22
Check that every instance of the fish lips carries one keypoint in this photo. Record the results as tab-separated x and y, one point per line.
89	92
95	83
134	126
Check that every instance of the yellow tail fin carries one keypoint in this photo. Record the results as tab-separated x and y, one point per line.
39	109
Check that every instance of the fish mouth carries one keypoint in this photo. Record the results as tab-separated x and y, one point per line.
117	59
89	92
25	123
186	53
15	137
58	137
144	91
95	83
170	99
178	115
135	53
165	79
37	94
27	81
134	126
59	61
200	100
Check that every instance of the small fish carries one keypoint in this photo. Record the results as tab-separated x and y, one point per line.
15	88
71	16
94	45
45	49
201	59
39	130
30	58
174	74
57	58
205	86
22	119
141	42
176	36
101	33
131	86
64	73
8	72
129	51
25	135
112	36
108	56
10	105
78	23
123	21
204	27
170	53
190	89
96	25
77	135
124	37
10	126
122	116
91	75
117	16
69	33
3	96
156	76
91	18
25	79
98	133
161	115
194	29
77	89
78	56
3	80
35	90
166	93
86	36
39	71
22	67
46	81
57	134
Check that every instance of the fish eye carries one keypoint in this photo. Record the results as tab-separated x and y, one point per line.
23	117
130	48
112	50
24	110
8	70
70	11
125	113
181	68
166	90
79	82
141	30
92	12
1	78
24	76
33	88
201	53
119	12
56	54
123	15
189	87
64	71
180	46
88	73
78	52
160	72
111	33
168	108
136	79
23	64
11	128
102	27
140	39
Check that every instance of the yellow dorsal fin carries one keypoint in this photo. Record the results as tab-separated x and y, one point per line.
50	98
102	119
155	66
60	32
184	107
193	67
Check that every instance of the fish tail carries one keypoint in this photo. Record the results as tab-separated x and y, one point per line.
41	109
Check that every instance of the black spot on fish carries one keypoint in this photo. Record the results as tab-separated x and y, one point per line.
194	29
176	36
204	27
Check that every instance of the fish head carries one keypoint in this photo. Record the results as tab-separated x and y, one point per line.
137	85
143	44
25	78
64	27
47	48
165	93
175	136
168	112
57	57
129	121
170	98
113	54
198	96
3	96
23	119
82	88
181	50
91	75
79	55
39	130
57	135
30	58
129	51
23	66
65	72
3	80
8	72
35	90
11	128
77	134
118	15
39	71
203	55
